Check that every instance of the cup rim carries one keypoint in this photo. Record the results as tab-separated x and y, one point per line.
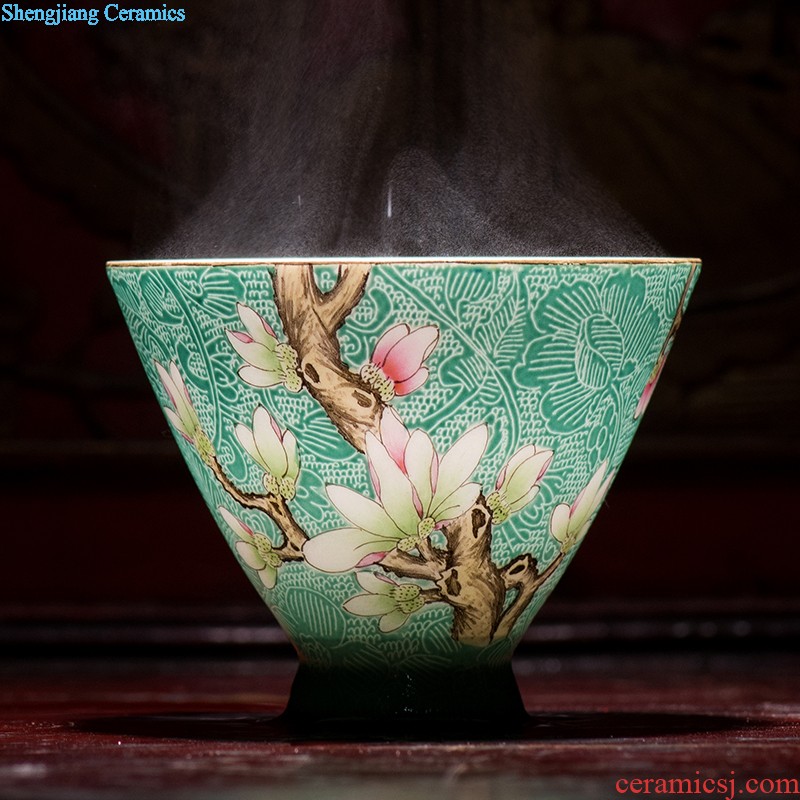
398	261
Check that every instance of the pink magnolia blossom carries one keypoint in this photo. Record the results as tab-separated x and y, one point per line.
439	485
396	366
417	491
268	361
182	415
518	481
274	450
255	549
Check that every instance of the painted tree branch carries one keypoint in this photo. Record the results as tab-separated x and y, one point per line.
470	582
431	596
434	556
345	295
310	320
406	565
275	507
522	574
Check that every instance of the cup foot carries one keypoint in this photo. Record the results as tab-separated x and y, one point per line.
457	703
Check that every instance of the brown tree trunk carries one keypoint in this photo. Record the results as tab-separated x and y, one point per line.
310	320
471	583
276	508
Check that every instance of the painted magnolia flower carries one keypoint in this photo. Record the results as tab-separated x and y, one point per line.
569	524
518	482
393	602
182	415
254	549
417	491
269	362
652	381
395	367
274	450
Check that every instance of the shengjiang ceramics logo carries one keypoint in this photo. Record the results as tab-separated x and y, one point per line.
111	12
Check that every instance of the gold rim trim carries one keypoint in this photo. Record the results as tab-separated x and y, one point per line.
396	260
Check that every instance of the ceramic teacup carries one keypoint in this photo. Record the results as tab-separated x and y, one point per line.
404	455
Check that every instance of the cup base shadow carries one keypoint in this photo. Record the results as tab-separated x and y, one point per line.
445	702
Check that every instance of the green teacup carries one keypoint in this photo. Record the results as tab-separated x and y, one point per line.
404	455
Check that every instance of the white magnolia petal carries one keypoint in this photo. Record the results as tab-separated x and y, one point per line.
393	620
364	513
418	459
262	378
236	525
177	380
176	421
583	522
248	553
370	605
176	396
375	583
248	442
523	501
292	459
523	454
269	576
559	522
167	382
254	323
594	484
458	503
342	549
589	499
432	338
254	352
268	443
396	496
603	490
526	474
460	461
394	435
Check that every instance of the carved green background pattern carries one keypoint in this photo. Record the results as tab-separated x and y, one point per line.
553	354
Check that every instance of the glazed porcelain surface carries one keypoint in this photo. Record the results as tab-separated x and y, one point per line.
404	456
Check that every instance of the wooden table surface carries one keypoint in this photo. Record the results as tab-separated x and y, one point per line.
123	726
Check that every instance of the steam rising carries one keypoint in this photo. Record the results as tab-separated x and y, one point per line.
397	128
